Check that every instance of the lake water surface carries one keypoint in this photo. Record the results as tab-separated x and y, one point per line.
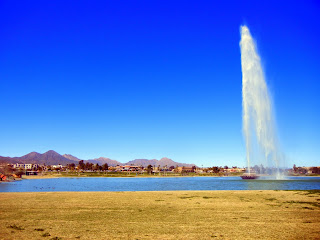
158	184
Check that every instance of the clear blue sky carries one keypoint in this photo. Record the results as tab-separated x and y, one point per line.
152	79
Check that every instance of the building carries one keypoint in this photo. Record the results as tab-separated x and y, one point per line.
25	166
128	168
185	169
56	166
18	165
234	170
28	166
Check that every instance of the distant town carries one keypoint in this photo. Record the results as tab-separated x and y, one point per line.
38	164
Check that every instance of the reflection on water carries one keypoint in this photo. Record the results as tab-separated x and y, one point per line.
159	184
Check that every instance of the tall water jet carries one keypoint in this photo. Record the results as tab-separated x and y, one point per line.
258	122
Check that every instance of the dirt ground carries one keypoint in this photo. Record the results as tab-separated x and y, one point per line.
161	215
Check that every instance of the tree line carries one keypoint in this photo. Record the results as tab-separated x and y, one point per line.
88	166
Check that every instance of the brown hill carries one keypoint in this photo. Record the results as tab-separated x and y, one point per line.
143	162
53	158
70	157
34	156
154	162
49	158
103	160
7	160
169	162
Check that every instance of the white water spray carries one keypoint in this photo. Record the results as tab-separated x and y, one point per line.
258	123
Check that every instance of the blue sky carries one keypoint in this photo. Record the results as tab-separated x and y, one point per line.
152	79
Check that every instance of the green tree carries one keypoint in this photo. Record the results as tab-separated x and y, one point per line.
105	167
95	167
81	165
215	169
149	169
71	166
88	166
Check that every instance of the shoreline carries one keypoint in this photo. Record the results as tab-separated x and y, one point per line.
245	191
30	177
315	191
24	177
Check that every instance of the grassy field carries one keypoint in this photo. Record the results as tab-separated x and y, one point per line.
161	215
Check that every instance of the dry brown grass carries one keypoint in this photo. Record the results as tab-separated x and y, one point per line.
161	215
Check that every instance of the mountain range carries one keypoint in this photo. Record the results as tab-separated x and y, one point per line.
53	158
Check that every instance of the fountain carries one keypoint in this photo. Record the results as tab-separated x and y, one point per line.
258	122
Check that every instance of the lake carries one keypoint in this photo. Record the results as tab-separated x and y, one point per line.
158	184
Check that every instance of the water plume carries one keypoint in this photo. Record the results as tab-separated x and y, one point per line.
258	121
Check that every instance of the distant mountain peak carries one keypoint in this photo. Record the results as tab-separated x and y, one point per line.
51	157
31	155
162	162
104	160
51	152
71	157
101	158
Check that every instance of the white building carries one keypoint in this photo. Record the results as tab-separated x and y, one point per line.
25	166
